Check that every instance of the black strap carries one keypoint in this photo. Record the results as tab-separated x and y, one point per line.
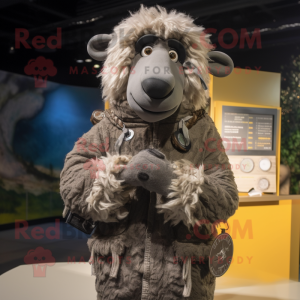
86	226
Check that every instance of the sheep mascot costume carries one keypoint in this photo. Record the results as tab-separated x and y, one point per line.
163	181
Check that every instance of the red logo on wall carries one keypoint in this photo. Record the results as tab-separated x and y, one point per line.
39	258
40	68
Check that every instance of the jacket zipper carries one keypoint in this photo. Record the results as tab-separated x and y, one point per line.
146	274
147	270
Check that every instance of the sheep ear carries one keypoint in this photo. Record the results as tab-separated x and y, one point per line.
97	46
220	64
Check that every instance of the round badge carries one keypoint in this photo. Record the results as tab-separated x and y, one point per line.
221	254
130	135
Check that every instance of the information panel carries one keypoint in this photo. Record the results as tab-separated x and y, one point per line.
248	131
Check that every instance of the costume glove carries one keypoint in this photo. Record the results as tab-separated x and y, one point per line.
151	170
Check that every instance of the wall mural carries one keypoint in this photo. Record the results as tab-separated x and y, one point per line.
38	127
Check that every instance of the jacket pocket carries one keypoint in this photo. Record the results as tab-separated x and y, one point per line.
105	252
190	250
201	233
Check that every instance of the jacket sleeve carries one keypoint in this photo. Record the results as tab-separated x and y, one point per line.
88	181
208	192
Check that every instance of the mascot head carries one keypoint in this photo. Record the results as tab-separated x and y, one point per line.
155	60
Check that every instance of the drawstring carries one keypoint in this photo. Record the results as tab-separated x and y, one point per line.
65	212
115	265
185	131
120	139
92	261
187	277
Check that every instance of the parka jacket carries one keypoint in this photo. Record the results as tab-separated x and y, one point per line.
144	247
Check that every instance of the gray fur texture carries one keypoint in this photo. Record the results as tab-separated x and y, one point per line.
130	248
166	241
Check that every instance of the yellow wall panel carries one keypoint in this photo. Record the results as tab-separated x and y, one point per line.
265	232
251	87
261	237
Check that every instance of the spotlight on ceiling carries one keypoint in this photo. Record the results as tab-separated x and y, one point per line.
88	60
79	60
96	66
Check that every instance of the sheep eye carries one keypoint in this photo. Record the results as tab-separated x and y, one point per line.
173	55
147	51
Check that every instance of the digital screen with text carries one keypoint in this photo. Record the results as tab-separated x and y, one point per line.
247	131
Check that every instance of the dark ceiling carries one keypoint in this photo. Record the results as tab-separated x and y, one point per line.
278	23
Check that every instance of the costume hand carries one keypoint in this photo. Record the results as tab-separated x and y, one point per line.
149	169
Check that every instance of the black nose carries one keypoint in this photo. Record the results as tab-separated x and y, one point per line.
143	176
157	88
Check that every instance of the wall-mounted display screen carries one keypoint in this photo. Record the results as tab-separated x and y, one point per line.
254	130
247	129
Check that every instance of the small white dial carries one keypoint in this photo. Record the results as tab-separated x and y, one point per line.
263	184
247	165
265	164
